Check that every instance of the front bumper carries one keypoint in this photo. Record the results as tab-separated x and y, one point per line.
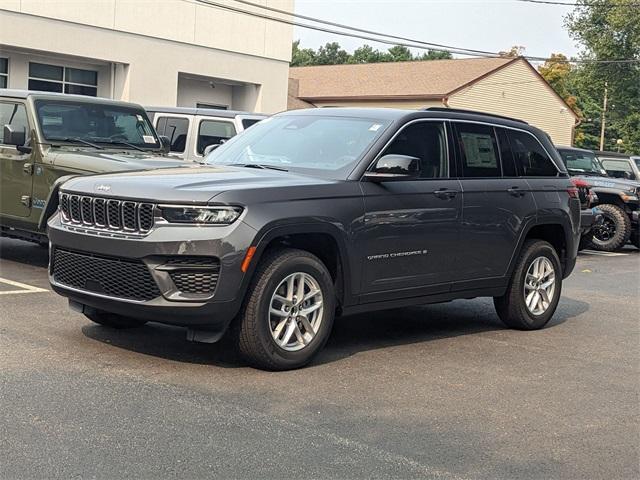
209	311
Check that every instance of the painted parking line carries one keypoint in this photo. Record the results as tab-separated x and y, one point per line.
23	287
604	254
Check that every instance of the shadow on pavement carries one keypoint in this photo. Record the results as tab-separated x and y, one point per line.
351	335
24	252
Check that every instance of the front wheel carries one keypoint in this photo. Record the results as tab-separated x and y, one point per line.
288	313
534	290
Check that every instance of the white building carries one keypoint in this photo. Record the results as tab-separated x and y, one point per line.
154	52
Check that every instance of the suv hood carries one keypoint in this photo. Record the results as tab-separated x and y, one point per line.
192	183
99	161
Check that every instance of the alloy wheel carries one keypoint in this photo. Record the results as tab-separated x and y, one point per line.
295	311
606	230
539	285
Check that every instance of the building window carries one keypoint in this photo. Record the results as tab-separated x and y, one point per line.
4	72
53	78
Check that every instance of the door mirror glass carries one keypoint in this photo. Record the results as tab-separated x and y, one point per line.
394	167
13	136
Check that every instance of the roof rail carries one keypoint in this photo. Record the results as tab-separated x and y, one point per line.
473	112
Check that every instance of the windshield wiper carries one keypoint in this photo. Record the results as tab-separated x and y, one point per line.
75	140
263	166
119	142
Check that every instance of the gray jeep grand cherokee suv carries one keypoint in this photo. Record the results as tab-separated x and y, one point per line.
317	213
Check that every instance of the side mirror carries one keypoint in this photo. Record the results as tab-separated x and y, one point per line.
165	143
17	138
210	148
13	136
394	167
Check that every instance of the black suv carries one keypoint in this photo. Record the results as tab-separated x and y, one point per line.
316	213
618	200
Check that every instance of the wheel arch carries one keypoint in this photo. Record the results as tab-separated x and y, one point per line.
323	239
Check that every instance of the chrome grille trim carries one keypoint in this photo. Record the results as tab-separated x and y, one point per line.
107	214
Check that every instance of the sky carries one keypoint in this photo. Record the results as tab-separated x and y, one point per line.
490	25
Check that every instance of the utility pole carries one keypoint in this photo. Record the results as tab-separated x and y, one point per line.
604	116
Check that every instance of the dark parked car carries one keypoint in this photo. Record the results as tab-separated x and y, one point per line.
47	137
317	213
618	199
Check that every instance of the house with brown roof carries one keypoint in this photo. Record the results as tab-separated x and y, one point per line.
502	86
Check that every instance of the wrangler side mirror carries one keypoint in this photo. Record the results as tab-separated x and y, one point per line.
16	137
165	143
394	167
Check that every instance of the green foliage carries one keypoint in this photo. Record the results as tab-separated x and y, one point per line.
333	54
607	30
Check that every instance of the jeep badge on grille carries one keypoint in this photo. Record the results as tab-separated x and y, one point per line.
102	187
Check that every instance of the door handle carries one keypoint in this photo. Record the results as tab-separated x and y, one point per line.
445	193
516	192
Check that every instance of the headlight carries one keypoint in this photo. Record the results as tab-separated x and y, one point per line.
201	215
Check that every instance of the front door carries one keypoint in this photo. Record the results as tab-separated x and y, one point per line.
16	179
411	227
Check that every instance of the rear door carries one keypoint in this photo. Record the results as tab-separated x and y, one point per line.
496	202
16	168
411	229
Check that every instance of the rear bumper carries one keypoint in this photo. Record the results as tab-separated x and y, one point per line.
589	218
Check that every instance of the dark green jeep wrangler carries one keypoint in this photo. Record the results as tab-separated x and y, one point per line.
45	138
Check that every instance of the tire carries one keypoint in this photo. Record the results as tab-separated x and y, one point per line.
615	230
113	320
512	306
256	324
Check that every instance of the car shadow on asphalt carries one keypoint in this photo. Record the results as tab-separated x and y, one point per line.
24	252
351	335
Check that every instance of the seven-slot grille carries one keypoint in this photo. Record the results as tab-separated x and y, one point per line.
106	213
111	276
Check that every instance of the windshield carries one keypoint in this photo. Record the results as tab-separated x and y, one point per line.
325	146
95	123
582	162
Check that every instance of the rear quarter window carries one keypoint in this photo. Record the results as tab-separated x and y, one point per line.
531	158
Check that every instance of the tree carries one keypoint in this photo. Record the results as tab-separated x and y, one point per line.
515	51
607	30
366	54
400	53
331	54
435	55
301	57
557	71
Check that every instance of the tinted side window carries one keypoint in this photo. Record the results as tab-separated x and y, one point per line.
427	142
506	154
478	150
247	122
531	159
13	114
213	132
176	129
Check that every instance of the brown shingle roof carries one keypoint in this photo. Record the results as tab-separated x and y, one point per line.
424	79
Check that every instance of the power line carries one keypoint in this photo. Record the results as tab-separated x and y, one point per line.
585	4
409	43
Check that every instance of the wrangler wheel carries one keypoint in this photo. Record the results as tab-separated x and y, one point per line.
615	230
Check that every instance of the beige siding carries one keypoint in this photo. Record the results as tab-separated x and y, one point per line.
517	91
402	104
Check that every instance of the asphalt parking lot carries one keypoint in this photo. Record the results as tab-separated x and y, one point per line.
441	391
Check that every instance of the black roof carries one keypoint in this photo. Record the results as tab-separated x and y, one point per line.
203	111
393	114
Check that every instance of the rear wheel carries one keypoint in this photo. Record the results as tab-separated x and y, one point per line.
534	290
288	313
614	231
113	320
